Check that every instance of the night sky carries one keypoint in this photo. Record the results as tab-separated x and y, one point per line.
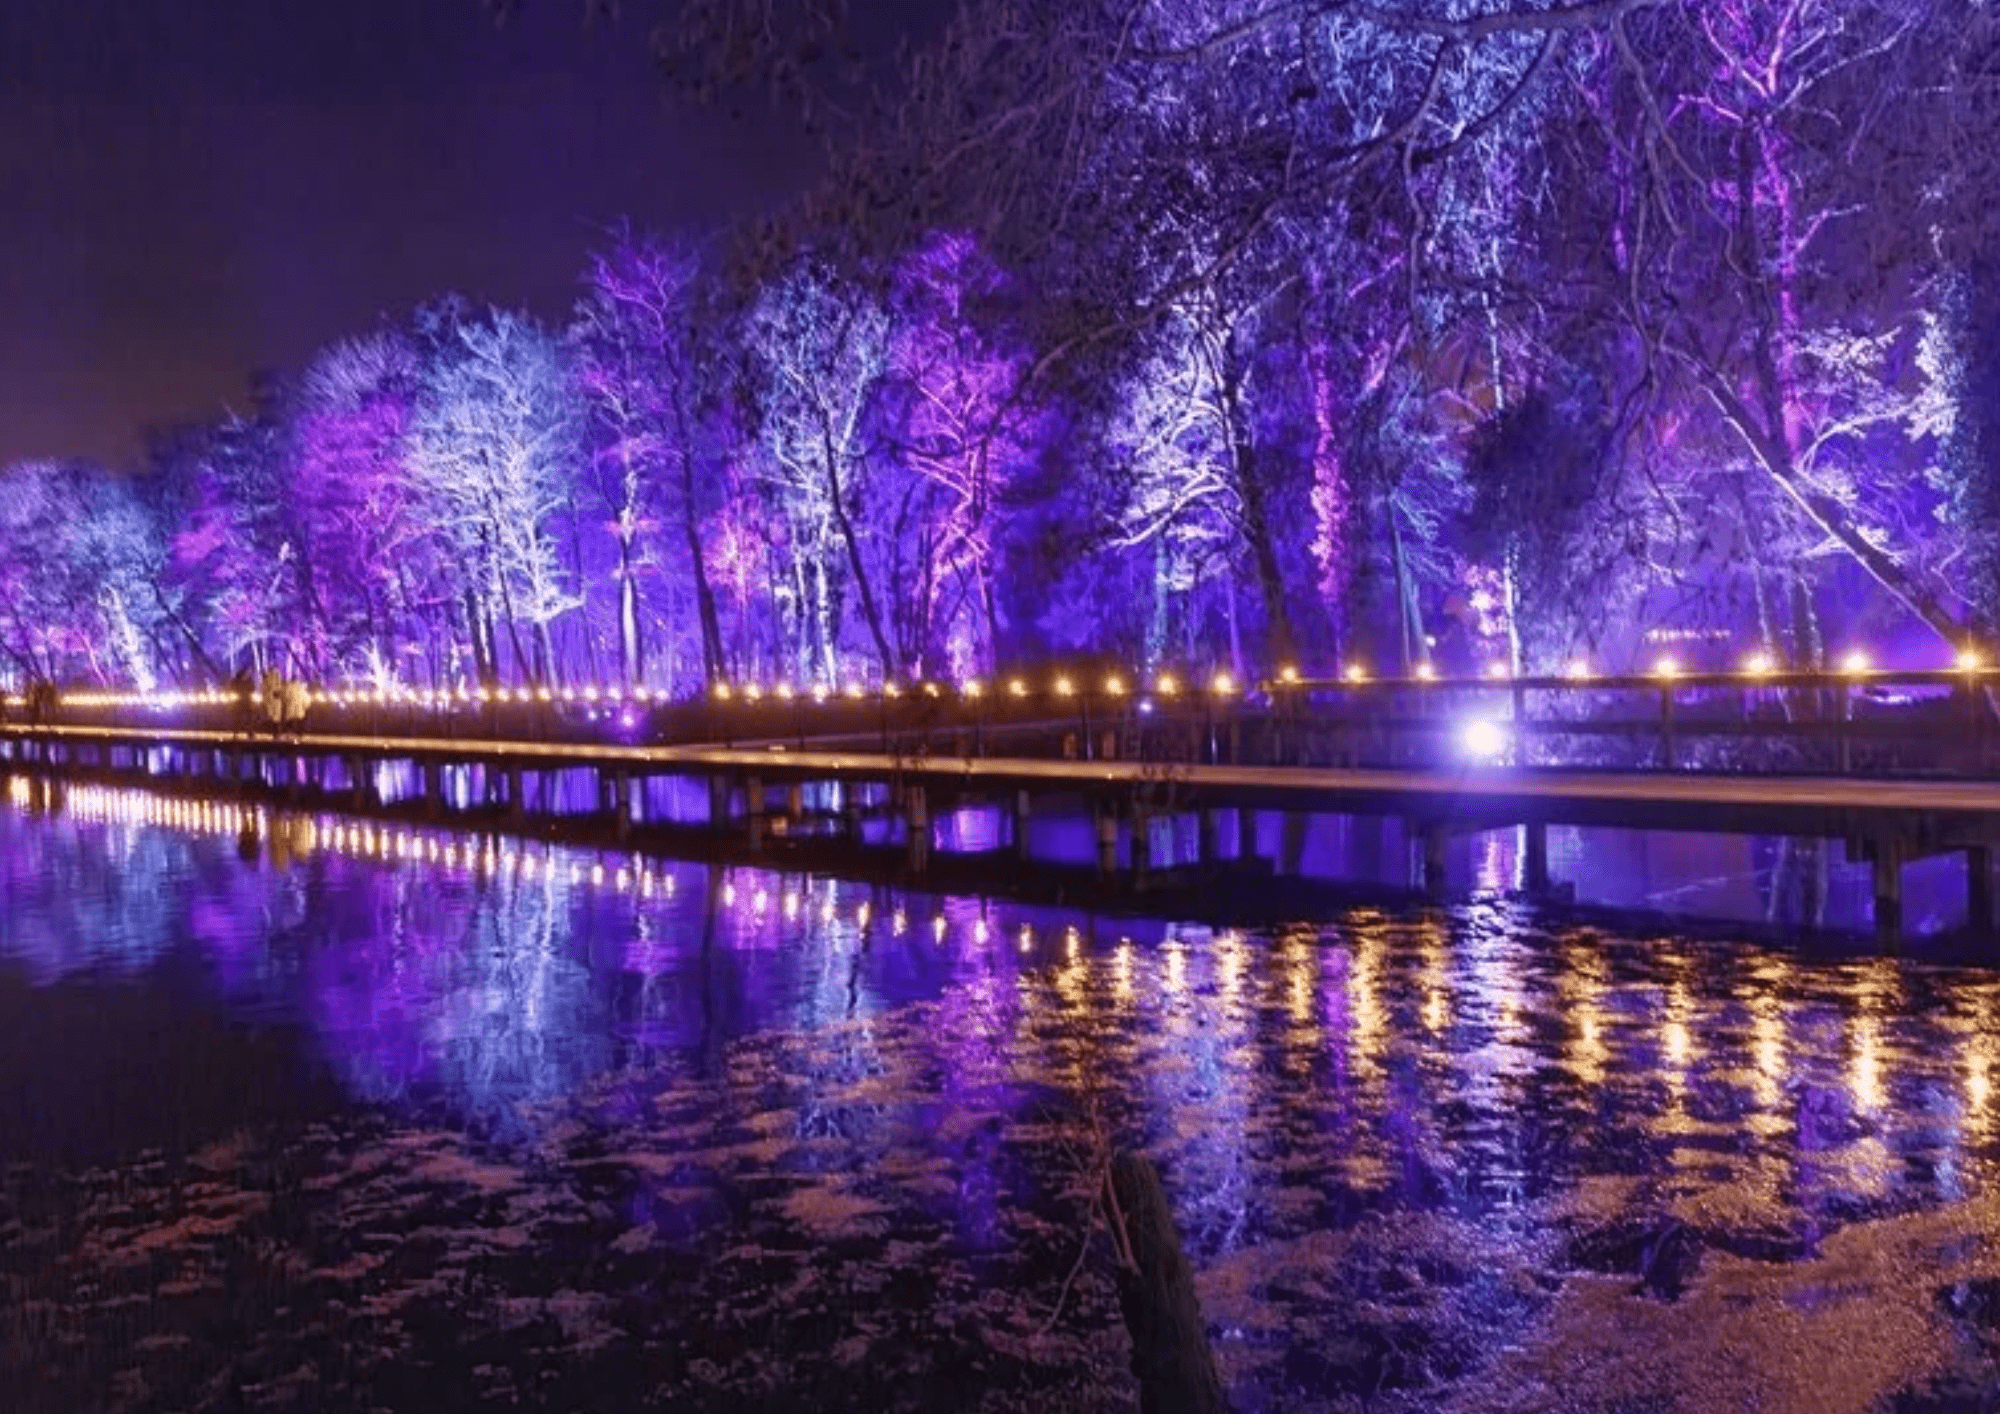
193	191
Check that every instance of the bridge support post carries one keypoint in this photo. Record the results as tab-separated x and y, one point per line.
1292	843
434	790
1429	859
1535	857
621	804
517	795
1246	834
1142	841
718	802
917	818
795	801
357	778
1107	840
1979	888
1888	891
1207	829
753	808
850	812
1017	825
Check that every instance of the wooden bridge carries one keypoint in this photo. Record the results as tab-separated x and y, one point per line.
1897	766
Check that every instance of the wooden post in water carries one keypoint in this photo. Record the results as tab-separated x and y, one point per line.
917	814
1170	1352
1107	839
1979	888
621	804
1430	860
1142	841
1024	807
753	807
1208	826
1535	857
718	802
1888	891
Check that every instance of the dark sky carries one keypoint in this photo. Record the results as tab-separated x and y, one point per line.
194	189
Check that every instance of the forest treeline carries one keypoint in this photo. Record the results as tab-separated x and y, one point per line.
1163	332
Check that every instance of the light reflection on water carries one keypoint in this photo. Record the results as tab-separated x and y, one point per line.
901	1060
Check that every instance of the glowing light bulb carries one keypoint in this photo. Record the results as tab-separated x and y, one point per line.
1855	662
1224	684
1166	686
971	687
1969	660
1065	688
1355	673
1018	688
1666	668
1115	685
1288	673
1758	665
1578	669
754	692
1496	671
1426	672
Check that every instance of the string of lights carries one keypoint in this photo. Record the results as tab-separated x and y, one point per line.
1854	663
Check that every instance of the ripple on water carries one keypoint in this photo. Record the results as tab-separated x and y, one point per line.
572	1149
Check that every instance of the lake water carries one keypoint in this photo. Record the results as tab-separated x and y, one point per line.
332	1116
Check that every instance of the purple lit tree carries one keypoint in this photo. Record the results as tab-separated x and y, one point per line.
818	348
637	334
493	451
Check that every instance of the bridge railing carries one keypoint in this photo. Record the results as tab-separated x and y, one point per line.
1922	722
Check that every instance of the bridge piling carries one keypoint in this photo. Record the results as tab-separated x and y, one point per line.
754	806
1979	888
1429	859
917	815
1107	840
1888	891
1535	858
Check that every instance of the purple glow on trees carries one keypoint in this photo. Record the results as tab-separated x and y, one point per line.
1185	334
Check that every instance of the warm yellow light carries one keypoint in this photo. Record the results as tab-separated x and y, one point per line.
1224	684
1355	673
1666	668
1115	685
1758	664
853	689
590	694
1426	672
889	689
1288	673
930	689
1969	660
1496	670
1018	688
819	692
1855	662
972	687
754	692
1065	688
542	694
1166	686
1578	669
785	691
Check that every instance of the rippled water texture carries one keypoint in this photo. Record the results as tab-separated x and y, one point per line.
322	1119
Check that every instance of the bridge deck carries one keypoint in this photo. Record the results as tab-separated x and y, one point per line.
1934	811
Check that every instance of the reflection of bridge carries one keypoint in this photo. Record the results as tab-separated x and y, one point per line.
1899	766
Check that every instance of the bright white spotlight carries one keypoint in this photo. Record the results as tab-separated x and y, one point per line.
1484	740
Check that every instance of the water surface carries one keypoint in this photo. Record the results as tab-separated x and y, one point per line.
328	1115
